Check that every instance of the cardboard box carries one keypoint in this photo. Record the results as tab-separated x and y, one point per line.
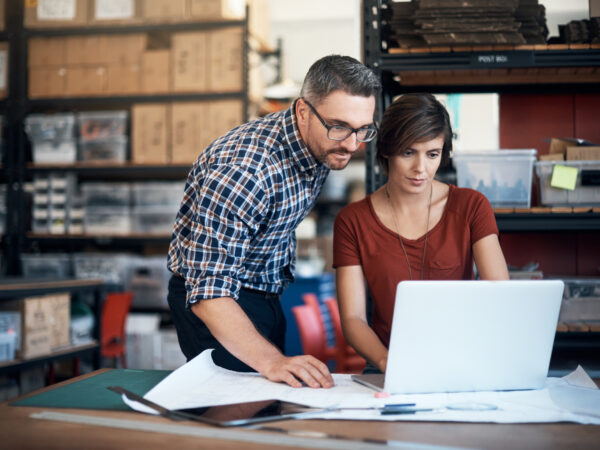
87	50
2	19
552	157
86	81
47	52
583	153
259	22
150	133
226	60
50	13
217	9
189	66
158	10
224	116
35	326
4	64
190	131
47	82
111	12
195	125
125	49
594	8
59	306
123	79
156	72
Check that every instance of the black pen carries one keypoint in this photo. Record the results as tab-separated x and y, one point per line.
403	410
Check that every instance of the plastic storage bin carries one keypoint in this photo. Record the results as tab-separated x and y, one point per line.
105	150
54	151
503	176
153	220
56	127
110	267
48	265
157	194
106	194
581	300
102	220
582	195
101	124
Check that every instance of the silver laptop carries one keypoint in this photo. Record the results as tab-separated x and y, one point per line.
454	336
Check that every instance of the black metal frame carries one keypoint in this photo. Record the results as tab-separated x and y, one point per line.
21	287
386	66
15	170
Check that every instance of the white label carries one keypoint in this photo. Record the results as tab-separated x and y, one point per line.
56	9
114	9
3	61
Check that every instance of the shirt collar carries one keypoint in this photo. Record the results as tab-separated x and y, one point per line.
300	152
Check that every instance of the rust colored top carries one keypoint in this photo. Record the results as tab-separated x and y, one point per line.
360	238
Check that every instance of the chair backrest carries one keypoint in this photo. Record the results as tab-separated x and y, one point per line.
114	315
312	335
347	360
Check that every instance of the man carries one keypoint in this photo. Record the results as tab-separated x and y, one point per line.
233	247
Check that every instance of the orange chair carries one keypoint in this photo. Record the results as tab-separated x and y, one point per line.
311	300
347	360
312	335
114	315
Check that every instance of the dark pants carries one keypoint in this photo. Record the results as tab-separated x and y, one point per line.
264	310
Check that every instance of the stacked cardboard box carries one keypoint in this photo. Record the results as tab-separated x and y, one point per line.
177	133
76	13
77	66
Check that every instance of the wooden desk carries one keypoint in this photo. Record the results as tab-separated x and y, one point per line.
18	430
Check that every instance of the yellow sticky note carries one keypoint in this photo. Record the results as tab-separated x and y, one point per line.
564	177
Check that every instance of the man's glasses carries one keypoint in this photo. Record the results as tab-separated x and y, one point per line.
339	132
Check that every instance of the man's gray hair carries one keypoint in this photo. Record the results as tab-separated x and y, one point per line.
337	72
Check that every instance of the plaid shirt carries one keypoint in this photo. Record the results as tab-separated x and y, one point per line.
244	197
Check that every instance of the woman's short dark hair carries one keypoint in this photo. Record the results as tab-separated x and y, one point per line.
410	119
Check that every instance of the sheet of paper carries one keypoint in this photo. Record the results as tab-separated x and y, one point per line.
201	383
564	177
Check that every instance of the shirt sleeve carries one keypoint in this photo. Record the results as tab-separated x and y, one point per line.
482	220
230	203
345	240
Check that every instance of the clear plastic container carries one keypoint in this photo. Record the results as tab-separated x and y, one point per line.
107	150
503	176
153	220
106	194
582	195
48	265
156	194
58	127
54	151
109	267
111	221
95	125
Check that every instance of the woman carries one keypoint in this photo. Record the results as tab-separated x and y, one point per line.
414	227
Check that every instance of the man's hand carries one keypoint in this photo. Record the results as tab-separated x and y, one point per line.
294	370
230	325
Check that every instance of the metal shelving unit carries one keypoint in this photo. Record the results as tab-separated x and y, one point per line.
388	64
17	170
15	288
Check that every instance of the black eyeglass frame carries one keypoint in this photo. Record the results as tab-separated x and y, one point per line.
349	129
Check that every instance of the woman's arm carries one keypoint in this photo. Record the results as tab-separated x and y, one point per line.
489	259
353	313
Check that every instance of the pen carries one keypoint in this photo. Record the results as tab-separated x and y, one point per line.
403	410
398	405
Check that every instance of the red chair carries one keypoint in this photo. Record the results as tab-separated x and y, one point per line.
114	315
311	300
346	360
312	334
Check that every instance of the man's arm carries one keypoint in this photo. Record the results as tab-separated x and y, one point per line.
230	325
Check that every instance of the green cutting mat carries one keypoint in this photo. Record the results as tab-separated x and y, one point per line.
92	392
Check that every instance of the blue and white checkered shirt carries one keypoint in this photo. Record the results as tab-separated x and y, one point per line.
244	197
